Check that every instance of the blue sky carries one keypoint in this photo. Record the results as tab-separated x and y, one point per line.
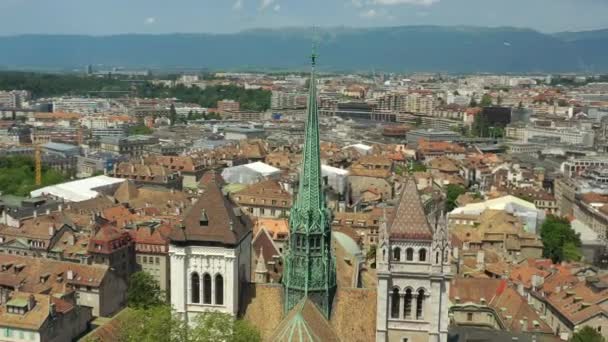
101	17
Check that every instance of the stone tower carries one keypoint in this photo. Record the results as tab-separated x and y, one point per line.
413	273
310	269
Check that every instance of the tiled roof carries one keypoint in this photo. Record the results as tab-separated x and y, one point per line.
126	192
34	318
409	220
213	218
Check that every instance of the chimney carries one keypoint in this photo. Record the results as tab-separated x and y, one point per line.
52	310
60	208
31	302
70	275
481	262
48	211
35	213
51	230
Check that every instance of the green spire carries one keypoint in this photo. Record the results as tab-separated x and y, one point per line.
310	269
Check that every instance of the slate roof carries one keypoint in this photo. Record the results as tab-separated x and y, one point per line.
409	220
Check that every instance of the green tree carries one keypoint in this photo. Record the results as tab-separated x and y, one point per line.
371	253
139	130
473	102
154	324
217	326
17	175
560	241
144	291
481	125
486	100
452	193
172	115
587	334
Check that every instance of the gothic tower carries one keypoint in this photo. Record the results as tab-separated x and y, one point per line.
310	269
414	273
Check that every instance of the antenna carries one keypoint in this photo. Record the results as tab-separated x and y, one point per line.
315	43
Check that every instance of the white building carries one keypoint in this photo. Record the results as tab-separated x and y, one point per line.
80	190
414	274
250	173
210	256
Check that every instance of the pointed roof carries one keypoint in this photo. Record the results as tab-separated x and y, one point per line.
310	195
126	192
409	220
260	266
213	218
304	323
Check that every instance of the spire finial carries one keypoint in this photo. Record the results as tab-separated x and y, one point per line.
315	39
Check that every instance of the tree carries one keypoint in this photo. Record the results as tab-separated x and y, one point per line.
154	324
486	100
473	102
139	129
560	241
216	326
481	125
144	291
499	100
452	193
17	175
172	115
587	334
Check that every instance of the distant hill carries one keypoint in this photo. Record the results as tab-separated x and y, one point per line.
400	49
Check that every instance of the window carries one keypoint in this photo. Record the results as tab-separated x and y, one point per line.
437	257
419	304
196	288
157	260
422	255
219	290
397	254
407	308
409	254
470	316
21	334
207	289
395	304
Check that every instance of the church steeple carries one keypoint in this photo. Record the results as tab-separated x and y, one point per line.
310	269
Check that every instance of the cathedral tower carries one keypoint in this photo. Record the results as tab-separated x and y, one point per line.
310	269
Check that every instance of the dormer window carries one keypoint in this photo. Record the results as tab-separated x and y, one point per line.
204	219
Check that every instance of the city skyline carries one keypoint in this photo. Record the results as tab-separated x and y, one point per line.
214	16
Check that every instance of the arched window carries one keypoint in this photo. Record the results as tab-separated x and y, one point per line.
419	304
409	254
422	255
195	284
407	308
206	289
395	303
437	257
397	254
219	290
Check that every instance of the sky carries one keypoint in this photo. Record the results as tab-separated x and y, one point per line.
105	17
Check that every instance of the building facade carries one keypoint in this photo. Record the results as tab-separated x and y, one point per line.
413	265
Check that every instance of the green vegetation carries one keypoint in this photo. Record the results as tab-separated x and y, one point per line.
17	176
44	85
149	318
452	193
250	99
587	334
139	129
560	241
415	167
159	324
481	128
144	292
486	100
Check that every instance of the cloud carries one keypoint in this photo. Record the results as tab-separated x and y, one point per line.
405	2
238	5
369	14
357	3
277	7
150	20
266	3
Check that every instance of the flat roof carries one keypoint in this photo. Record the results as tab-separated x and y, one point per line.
79	190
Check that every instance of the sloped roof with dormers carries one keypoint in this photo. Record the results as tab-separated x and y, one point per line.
409	220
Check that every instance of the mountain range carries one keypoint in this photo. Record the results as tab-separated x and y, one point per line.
392	49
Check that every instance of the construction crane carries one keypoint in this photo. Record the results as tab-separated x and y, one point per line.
38	164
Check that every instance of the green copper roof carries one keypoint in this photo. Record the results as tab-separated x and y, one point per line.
304	323
310	270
